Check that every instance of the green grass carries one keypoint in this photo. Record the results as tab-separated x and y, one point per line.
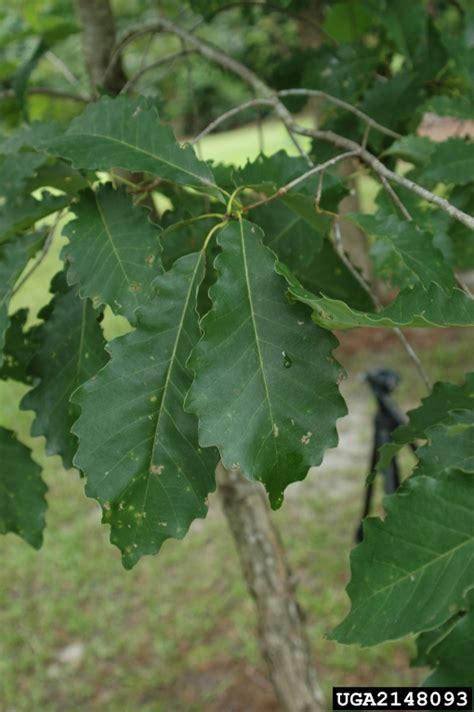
179	631
246	142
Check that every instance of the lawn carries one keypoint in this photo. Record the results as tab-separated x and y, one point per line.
78	632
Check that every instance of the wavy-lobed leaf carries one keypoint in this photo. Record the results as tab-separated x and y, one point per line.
265	388
20	347
22	491
451	162
309	254
14	257
424	544
414	307
16	170
450	446
451	651
414	149
30	136
137	447
70	351
114	250
443	399
127	133
410	247
18	216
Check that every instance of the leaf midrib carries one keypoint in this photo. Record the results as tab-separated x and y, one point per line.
109	237
257	340
414	572
162	407
156	157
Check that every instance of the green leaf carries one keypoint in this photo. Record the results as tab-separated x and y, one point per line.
59	175
30	136
70	351
406	24
17	217
265	388
409	246
424	544
309	254
20	347
22	502
394	101
127	133
450	446
347	21
452	653
14	257
444	398
268	173
451	162
181	237
414	149
114	250
137	447
413	307
15	170
457	106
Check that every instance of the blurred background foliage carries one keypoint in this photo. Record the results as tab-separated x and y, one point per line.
359	51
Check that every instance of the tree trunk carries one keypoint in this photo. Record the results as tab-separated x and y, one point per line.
98	41
282	637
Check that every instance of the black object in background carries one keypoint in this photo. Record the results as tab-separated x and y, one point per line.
382	382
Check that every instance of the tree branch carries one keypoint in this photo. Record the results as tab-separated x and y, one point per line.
343	105
296	181
228	114
382	170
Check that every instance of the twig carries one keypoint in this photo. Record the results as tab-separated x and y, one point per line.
228	114
63	68
296	181
172	56
366	287
395	199
382	170
343	105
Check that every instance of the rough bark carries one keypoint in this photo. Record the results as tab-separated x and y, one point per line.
98	41
281	632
